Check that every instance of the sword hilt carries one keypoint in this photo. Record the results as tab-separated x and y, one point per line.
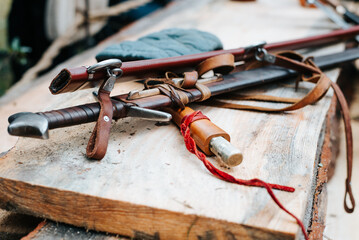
80	114
37	125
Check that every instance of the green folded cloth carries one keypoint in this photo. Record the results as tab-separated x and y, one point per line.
166	43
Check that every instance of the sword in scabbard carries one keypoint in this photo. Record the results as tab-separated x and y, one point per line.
148	106
69	80
110	71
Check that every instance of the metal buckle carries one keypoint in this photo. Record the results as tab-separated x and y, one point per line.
103	65
262	55
112	74
109	63
254	47
112	68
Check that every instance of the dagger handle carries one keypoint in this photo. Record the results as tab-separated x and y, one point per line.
202	130
210	138
80	114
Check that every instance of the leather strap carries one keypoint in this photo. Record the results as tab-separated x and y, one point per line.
205	92
349	147
189	79
223	64
97	145
258	97
322	83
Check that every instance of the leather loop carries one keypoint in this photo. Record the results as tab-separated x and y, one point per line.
168	88
206	93
223	64
301	67
189	79
97	145
349	146
348	191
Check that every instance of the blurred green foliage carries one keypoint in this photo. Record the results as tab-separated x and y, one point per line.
6	76
15	53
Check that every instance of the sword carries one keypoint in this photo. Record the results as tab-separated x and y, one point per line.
38	124
70	80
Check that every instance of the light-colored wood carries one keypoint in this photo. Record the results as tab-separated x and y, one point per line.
148	182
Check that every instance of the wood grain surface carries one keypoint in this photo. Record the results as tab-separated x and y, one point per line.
148	183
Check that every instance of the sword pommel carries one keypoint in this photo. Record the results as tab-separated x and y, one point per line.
27	124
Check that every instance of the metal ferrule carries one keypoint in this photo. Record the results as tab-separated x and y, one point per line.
225	151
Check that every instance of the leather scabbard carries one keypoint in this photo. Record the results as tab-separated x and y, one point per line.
71	79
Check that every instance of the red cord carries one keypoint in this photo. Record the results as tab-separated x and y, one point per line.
191	146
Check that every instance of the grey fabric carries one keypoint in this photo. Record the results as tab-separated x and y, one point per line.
166	43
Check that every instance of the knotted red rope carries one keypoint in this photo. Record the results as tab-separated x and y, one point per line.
191	146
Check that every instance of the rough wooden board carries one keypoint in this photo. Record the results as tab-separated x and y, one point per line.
122	182
253	132
327	155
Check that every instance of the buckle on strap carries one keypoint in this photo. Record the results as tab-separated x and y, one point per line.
97	145
262	55
109	64
254	47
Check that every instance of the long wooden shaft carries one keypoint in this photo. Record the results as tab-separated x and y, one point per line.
69	80
136	68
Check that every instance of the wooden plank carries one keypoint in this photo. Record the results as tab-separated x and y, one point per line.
327	155
136	190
